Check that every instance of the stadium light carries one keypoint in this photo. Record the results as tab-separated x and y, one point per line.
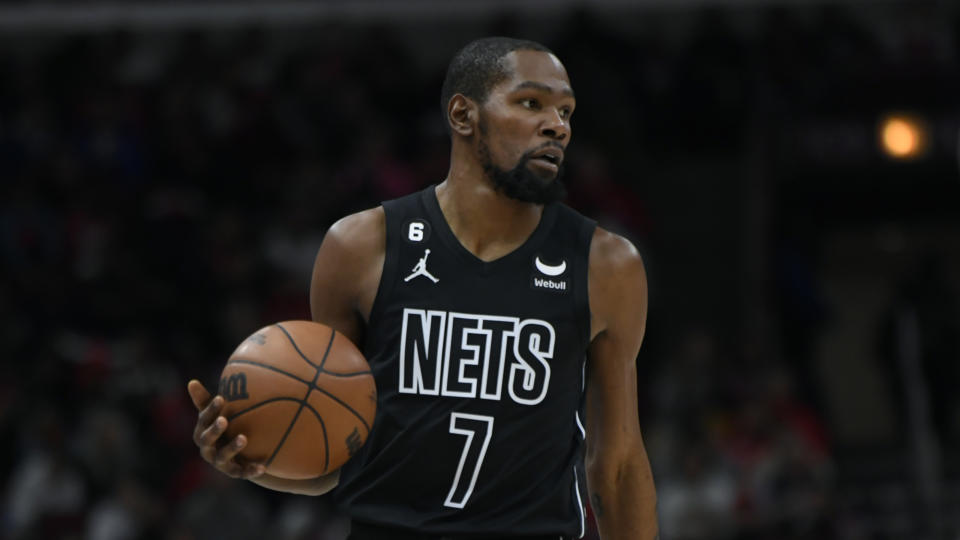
903	136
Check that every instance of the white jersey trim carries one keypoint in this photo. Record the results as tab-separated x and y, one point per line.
580	508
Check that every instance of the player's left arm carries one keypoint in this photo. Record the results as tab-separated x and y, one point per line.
619	478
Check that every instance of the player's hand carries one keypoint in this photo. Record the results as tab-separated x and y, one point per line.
208	436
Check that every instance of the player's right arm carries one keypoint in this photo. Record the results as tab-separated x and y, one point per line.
346	275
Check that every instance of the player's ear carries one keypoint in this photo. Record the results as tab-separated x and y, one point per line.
462	115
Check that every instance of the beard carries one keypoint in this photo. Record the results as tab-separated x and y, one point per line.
520	182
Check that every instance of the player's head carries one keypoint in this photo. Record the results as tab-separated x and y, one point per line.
512	100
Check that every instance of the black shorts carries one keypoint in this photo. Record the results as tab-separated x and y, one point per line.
366	531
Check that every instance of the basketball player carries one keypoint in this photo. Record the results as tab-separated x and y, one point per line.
489	313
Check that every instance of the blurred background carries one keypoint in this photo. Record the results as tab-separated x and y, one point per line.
788	169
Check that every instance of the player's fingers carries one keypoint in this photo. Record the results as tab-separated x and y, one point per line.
226	454
253	470
206	418
209	436
211	411
230	468
227	459
198	394
208	453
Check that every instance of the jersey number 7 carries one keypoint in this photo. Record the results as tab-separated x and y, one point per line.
477	429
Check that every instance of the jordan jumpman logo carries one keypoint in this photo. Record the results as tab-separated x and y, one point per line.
421	269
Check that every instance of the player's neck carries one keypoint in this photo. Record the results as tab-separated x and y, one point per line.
486	222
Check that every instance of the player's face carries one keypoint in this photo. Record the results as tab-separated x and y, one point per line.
524	128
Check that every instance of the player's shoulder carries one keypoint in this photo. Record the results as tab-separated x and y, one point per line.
612	254
371	224
617	281
360	228
355	241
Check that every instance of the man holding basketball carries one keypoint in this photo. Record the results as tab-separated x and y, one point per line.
491	316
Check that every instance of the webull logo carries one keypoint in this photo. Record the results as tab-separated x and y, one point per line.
549	284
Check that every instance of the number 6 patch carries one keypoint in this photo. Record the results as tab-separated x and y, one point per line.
416	231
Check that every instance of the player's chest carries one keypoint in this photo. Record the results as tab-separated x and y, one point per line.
434	274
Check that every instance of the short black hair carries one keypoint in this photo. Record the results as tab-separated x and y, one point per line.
478	67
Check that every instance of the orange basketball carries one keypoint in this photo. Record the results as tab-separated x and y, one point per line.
302	394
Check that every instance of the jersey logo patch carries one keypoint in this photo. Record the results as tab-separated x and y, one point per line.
416	231
541	279
549	270
421	269
559	286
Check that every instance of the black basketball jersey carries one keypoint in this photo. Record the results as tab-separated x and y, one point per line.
480	376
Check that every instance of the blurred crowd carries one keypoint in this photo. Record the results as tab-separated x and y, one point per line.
163	194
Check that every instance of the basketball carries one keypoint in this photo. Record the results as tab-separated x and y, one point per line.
302	394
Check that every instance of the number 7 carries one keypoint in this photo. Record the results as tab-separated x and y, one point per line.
468	425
